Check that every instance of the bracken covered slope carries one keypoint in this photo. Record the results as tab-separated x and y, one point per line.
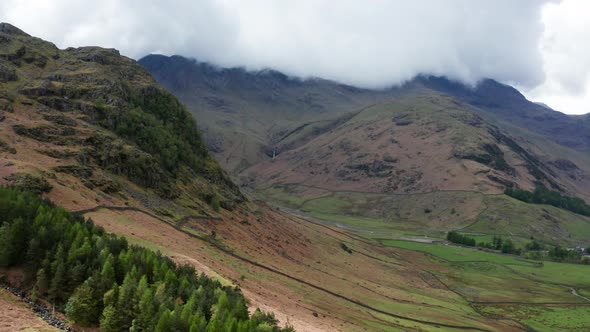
95	127
422	141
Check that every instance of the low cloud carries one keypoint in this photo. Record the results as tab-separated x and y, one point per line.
365	43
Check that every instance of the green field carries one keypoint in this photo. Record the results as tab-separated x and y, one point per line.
546	318
433	214
458	254
537	294
544	296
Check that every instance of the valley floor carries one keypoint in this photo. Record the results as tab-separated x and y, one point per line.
300	270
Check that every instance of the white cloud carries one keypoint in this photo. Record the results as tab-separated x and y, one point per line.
566	57
366	43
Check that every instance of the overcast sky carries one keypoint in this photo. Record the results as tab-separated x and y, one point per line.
540	46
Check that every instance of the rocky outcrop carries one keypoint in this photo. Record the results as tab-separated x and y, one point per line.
10	29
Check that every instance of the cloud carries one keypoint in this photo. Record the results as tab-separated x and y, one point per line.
538	45
566	57
369	43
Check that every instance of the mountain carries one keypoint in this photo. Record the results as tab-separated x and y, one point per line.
429	134
316	145
89	125
506	103
246	113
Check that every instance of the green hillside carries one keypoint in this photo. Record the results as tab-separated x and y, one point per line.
98	279
102	116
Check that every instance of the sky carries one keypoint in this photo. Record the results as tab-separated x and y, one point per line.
539	46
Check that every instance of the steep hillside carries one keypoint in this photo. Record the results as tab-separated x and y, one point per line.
89	126
506	103
246	113
449	136
340	159
421	142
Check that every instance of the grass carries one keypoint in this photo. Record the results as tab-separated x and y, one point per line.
458	254
478	276
418	214
28	323
575	275
546	318
146	244
510	217
477	215
489	277
288	195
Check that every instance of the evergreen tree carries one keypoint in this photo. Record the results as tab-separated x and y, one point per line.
107	274
42	283
165	322
19	235
83	307
57	283
98	274
109	321
127	301
6	248
147	311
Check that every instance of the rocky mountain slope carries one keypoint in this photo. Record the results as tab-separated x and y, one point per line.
245	113
508	104
87	126
430	134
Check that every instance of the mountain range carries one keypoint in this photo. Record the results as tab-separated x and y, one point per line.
430	134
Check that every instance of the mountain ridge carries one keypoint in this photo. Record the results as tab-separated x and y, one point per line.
289	123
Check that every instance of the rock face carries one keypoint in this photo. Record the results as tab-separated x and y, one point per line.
7	74
10	29
244	114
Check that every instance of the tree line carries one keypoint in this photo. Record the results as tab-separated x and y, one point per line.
533	249
98	279
505	246
542	195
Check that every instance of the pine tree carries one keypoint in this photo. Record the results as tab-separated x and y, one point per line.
19	234
83	307
147	311
109	321
127	301
107	274
214	325
164	322
42	283
198	323
57	283
6	247
33	258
